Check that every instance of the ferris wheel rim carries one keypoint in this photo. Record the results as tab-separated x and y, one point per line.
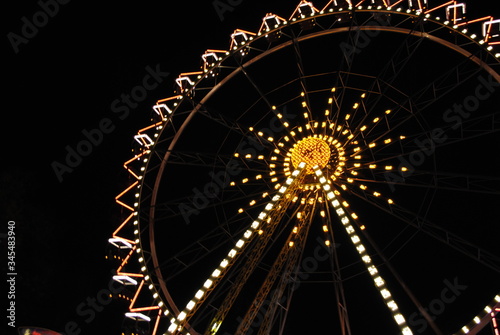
440	41
227	78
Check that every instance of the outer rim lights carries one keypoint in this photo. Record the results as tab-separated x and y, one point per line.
256	224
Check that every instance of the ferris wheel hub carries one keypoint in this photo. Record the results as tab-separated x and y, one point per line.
313	152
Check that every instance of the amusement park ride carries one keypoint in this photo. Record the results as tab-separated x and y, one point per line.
308	160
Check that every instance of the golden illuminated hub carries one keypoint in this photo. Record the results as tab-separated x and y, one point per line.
312	151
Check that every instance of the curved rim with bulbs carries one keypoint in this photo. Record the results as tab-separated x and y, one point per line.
325	156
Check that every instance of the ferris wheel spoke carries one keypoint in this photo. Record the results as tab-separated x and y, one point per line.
346	63
394	65
197	158
234	126
217	162
251	139
425	97
438	181
386	262
282	268
404	168
172	209
372	269
257	88
198	251
336	271
437	232
443	85
223	120
417	149
457	132
253	259
402	56
302	77
279	203
449	134
208	243
351	47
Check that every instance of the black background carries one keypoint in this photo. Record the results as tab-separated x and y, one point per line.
63	81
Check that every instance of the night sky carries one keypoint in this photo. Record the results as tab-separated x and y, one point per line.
68	82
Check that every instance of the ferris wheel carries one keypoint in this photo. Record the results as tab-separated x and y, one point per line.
334	171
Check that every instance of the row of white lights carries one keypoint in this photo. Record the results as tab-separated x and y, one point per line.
176	323
372	269
127	280
164	111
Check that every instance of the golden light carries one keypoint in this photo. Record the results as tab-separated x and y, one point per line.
312	151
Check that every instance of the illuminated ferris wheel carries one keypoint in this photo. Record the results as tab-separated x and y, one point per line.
335	171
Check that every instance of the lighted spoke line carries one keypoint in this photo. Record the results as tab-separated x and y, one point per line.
377	278
445	187
217	274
